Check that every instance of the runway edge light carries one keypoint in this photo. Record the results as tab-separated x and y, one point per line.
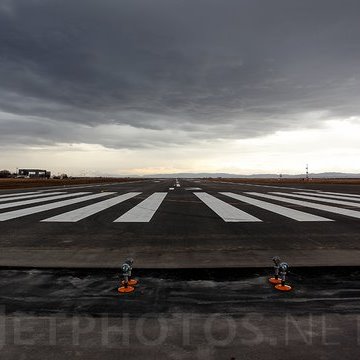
283	270
131	281
127	283
275	279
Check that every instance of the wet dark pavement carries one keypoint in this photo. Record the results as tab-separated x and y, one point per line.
203	291
187	314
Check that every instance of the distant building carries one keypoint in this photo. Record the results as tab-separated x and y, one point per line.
5	174
34	173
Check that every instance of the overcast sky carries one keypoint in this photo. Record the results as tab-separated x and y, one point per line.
140	87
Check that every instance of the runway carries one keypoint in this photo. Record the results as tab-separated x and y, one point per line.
180	223
202	253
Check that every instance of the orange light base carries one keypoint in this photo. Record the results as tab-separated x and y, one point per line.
274	281
283	287
131	282
124	289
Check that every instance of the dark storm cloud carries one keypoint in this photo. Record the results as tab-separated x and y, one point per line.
210	68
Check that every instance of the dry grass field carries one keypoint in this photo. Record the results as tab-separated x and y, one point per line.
330	181
30	183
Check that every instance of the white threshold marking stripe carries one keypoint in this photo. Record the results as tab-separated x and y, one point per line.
144	211
86	211
332	209
281	210
21	194
330	201
31	196
337	193
226	211
330	196
40	208
37	200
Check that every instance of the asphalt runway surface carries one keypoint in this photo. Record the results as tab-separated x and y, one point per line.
184	224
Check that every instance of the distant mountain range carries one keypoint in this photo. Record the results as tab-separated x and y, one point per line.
256	176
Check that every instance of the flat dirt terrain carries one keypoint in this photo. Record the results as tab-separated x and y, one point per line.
30	183
340	181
